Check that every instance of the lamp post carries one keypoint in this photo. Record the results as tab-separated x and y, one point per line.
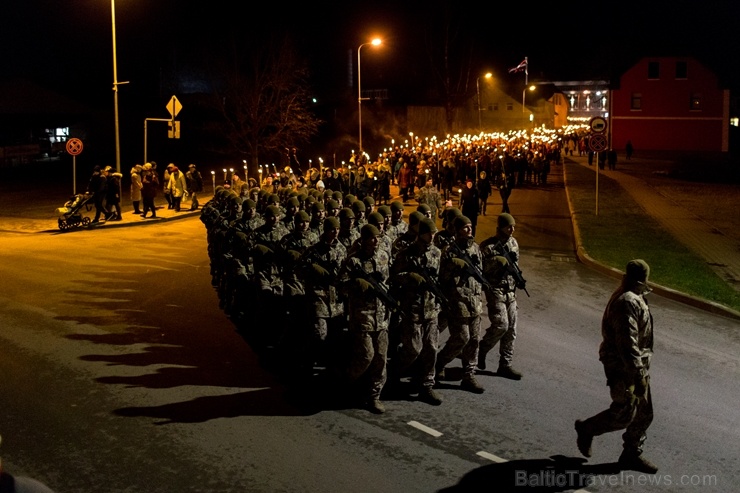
374	42
115	85
524	95
477	90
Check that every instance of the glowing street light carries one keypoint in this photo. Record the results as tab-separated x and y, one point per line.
524	95
477	90
374	42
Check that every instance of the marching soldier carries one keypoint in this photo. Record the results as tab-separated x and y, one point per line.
501	300
461	260
363	281
415	275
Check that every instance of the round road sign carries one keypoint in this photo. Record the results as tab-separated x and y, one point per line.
74	146
597	143
597	124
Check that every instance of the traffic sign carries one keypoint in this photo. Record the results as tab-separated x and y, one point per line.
74	146
173	129
597	124
174	107
597	143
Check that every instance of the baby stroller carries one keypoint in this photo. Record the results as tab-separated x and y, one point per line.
70	216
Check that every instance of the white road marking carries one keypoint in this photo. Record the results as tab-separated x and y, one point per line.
425	429
491	457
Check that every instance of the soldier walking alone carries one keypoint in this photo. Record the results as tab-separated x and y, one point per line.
625	352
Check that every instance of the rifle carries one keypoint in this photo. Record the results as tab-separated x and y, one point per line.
470	267
432	284
512	267
380	289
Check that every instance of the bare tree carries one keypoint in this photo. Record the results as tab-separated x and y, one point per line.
261	92
450	50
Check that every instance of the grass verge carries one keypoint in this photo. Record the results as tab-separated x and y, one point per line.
623	231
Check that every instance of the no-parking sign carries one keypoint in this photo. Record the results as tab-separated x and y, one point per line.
74	146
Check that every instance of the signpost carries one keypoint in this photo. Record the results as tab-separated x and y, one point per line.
173	126
597	143
74	147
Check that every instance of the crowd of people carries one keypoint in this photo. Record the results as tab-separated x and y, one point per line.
317	279
145	185
326	278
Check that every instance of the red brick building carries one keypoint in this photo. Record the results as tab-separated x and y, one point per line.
670	103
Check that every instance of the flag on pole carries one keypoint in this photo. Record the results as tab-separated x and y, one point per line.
519	68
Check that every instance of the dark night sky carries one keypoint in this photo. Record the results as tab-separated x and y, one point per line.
67	44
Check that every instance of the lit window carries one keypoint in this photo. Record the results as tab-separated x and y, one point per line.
695	101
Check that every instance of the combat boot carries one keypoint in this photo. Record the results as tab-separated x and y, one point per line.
584	440
470	384
375	406
430	396
508	372
635	461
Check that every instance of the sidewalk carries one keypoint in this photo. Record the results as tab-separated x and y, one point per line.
698	230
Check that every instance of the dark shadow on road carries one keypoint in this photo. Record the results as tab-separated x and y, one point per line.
557	473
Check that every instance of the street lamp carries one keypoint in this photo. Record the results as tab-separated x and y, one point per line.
115	85
374	42
477	90
524	95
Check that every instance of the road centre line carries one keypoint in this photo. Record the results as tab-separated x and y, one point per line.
425	429
491	457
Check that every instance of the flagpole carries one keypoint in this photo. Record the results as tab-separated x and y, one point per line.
526	81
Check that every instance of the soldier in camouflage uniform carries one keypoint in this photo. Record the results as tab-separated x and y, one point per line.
368	318
464	293
413	270
347	232
407	238
291	248
319	267
625	352
397	223
318	214
272	231
429	195
501	300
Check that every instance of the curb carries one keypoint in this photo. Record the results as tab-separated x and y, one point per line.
666	292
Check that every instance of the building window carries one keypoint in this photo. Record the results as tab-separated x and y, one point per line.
509	106
636	101
695	101
493	107
653	70
682	70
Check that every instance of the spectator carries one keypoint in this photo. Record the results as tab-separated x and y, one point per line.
113	194
136	188
484	190
177	187
149	187
97	187
195	186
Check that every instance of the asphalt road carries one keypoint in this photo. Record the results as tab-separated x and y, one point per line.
120	373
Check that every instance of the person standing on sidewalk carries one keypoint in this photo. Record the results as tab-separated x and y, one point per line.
177	187
149	187
195	185
113	194
97	186
136	188
501	300
625	352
